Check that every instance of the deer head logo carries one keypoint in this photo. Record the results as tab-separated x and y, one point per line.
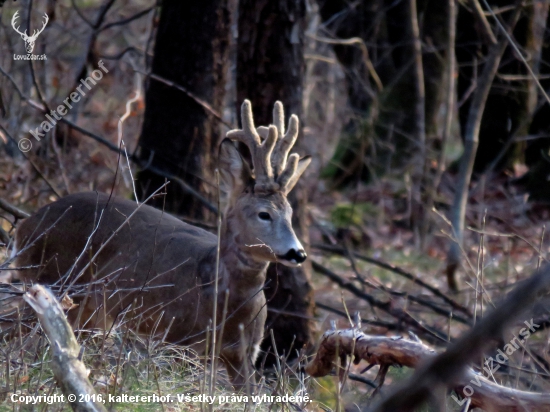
29	40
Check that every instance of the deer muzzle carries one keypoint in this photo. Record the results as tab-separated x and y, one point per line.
294	257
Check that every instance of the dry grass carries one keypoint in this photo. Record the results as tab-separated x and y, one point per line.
122	363
512	245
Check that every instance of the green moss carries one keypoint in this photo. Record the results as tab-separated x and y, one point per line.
349	214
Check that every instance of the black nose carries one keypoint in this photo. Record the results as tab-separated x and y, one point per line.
297	255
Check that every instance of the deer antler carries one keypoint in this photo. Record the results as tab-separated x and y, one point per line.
260	152
285	165
37	32
274	169
285	142
14	18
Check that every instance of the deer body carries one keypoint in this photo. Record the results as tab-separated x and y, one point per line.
158	271
176	276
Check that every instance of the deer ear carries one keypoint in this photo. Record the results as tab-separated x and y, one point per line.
303	163
234	171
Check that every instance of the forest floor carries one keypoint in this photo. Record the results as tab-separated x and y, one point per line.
505	242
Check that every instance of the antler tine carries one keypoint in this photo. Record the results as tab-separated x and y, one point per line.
285	145
248	135
289	170
279	117
260	152
13	23
286	140
37	32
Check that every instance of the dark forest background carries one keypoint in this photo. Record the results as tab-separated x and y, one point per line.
428	122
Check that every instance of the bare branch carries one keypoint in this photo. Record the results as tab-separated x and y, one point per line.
69	370
471	137
448	369
127	20
399	271
487	32
12	210
385	306
385	351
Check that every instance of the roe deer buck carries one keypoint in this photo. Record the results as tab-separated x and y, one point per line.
115	251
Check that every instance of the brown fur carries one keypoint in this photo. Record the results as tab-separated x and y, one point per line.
157	272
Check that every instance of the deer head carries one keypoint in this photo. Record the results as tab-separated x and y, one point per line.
256	208
29	40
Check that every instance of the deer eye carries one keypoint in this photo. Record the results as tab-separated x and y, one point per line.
264	216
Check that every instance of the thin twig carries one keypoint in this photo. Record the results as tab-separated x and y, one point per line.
399	271
446	369
385	306
12	210
216	284
127	20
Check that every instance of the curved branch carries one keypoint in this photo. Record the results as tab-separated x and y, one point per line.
385	351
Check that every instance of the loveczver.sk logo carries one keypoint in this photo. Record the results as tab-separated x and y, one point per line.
29	40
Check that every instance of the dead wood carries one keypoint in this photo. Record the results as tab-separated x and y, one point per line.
69	370
387	351
450	369
378	350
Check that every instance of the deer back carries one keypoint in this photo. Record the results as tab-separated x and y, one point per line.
162	262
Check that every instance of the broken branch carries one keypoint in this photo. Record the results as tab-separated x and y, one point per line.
69	370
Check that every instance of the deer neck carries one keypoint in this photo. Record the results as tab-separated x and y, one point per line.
242	269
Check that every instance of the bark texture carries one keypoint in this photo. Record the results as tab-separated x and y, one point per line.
384	351
69	371
179	135
476	113
270	67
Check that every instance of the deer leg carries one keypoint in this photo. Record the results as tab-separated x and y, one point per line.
240	369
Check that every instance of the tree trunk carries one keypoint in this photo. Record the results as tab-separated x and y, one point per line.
435	56
359	20
437	66
180	135
510	104
270	67
537	45
471	142
418	215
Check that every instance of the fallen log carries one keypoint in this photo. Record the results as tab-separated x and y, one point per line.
68	369
396	351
